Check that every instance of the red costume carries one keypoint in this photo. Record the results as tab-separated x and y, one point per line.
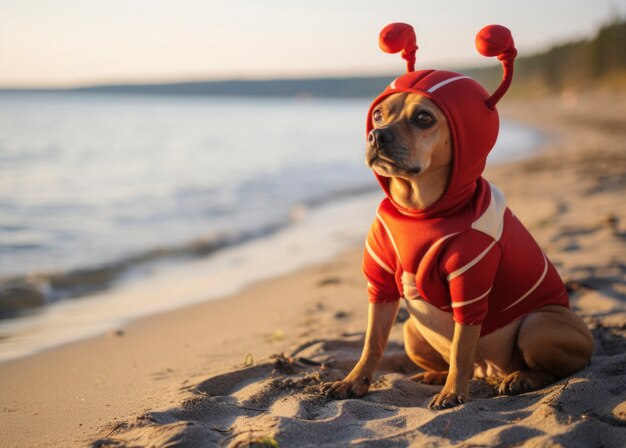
467	254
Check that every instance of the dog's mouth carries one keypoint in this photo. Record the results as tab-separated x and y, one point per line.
374	156
388	163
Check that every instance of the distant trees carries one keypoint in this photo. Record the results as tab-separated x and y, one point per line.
586	62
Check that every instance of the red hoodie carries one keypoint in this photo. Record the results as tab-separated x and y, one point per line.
467	254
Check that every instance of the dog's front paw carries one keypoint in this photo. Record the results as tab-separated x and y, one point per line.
347	388
445	400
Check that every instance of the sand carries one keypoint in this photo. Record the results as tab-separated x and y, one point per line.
248	368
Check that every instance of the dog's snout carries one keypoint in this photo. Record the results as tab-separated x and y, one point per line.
380	137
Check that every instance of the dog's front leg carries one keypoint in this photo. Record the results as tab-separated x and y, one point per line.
462	356
381	317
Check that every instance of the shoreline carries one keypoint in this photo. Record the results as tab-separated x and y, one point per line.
92	300
109	310
103	387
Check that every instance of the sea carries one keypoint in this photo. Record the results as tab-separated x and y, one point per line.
117	206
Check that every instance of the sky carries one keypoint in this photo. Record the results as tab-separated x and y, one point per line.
63	43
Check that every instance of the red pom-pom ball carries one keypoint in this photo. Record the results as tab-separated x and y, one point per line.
396	37
494	40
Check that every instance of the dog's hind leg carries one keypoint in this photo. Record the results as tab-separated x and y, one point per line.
436	378
554	343
424	355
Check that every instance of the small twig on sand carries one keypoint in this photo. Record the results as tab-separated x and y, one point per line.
309	362
115	428
305	346
555	395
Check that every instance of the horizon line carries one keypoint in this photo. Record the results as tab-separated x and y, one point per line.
224	79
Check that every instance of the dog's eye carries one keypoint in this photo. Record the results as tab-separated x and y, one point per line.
377	116
424	119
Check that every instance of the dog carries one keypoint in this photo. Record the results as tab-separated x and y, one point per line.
484	300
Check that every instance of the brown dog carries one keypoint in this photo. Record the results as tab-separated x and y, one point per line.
411	146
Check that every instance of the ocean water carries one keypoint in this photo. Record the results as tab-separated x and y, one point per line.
114	207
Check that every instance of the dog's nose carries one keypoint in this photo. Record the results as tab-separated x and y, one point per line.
380	137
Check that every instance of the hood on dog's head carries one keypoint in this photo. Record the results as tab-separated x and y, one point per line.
469	109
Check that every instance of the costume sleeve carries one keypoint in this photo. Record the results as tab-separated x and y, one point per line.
469	264
379	265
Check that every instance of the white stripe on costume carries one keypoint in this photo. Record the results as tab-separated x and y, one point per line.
389	235
465	268
535	286
467	302
377	259
447	81
491	222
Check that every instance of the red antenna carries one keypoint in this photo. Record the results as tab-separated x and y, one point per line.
496	40
397	37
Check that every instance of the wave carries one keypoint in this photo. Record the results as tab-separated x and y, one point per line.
20	294
23	293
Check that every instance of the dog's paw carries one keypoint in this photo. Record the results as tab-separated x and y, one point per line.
524	381
431	377
346	388
446	400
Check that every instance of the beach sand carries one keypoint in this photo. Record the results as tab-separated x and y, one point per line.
248	367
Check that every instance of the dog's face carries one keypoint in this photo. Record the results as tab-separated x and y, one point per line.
410	136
